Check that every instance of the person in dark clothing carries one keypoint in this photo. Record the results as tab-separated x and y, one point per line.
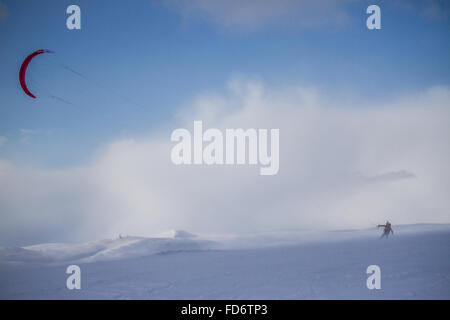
387	229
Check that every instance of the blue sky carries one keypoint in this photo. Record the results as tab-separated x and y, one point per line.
363	115
146	59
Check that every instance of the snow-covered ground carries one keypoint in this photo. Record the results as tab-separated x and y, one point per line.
415	264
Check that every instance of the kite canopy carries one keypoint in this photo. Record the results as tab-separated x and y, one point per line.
23	70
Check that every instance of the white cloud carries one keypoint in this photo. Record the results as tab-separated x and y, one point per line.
328	155
390	176
27	134
251	15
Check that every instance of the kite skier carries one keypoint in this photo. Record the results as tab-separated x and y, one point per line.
387	229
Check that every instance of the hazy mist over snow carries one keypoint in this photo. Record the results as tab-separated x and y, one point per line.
341	166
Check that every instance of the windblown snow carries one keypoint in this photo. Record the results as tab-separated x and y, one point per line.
288	264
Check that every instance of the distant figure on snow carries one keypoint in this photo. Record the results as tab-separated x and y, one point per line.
387	229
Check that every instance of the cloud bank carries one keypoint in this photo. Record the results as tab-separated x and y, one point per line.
341	166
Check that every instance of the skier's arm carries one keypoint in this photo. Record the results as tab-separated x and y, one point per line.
392	231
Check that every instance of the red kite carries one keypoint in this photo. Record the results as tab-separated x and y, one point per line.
23	70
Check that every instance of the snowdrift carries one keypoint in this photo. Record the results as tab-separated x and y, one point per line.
103	250
180	240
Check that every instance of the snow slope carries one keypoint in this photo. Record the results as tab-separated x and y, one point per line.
415	264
